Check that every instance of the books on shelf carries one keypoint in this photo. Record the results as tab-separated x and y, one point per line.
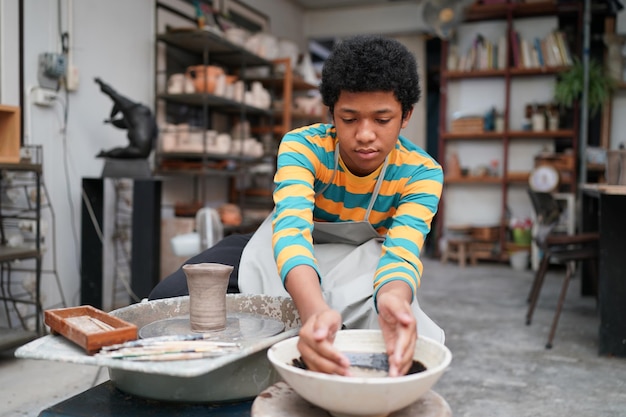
482	55
551	51
485	54
467	124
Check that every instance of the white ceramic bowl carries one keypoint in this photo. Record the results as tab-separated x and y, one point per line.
361	396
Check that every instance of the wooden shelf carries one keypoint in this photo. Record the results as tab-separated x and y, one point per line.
278	82
225	105
472	180
596	167
221	50
547	134
511	16
517	177
513	134
472	136
495	73
520	72
478	12
299	115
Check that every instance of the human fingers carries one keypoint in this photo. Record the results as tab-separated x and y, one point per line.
399	329
404	351
316	345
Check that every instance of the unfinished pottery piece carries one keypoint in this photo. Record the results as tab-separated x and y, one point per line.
361	396
207	283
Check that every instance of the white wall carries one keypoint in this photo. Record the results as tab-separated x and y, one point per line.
9	53
113	40
393	18
286	19
618	121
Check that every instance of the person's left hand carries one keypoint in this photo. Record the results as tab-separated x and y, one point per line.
399	330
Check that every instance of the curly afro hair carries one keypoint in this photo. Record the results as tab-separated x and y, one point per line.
367	63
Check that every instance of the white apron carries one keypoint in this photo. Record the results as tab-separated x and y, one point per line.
347	254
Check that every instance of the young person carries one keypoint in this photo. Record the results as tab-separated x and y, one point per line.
354	201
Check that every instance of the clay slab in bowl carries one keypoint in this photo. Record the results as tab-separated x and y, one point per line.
361	396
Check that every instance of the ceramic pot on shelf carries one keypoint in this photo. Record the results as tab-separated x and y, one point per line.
204	77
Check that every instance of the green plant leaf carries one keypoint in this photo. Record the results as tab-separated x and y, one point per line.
570	85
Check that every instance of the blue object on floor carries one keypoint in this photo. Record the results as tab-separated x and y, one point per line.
105	400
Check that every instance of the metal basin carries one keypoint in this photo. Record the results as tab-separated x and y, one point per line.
228	378
234	376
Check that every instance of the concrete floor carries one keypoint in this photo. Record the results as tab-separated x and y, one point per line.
499	368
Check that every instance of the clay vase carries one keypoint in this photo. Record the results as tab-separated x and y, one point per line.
204	77
207	283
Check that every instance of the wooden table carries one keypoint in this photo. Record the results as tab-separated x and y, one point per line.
604	210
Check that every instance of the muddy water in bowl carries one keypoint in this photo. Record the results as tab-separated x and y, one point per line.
368	364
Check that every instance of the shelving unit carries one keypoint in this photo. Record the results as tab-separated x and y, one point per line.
27	191
286	87
508	180
186	48
607	111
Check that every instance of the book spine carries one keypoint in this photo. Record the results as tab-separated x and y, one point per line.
515	49
540	59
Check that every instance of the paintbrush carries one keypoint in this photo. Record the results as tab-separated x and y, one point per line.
169	347
171	356
159	339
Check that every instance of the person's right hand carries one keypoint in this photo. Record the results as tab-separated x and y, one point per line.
315	344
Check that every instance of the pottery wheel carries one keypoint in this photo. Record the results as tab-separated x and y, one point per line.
239	326
280	400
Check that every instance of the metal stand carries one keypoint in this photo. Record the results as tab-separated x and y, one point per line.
126	168
146	238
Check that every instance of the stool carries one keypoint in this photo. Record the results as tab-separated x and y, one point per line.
457	249
280	400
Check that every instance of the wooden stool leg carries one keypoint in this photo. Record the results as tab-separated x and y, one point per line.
559	306
462	254
444	254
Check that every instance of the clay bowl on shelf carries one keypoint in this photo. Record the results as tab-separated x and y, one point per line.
362	396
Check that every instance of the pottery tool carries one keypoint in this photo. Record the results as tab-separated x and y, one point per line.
159	339
171	350
183	356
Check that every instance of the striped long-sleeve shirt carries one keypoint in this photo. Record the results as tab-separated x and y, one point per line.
403	211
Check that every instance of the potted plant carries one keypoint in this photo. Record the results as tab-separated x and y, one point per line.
570	84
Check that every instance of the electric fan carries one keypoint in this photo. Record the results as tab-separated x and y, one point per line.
443	16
